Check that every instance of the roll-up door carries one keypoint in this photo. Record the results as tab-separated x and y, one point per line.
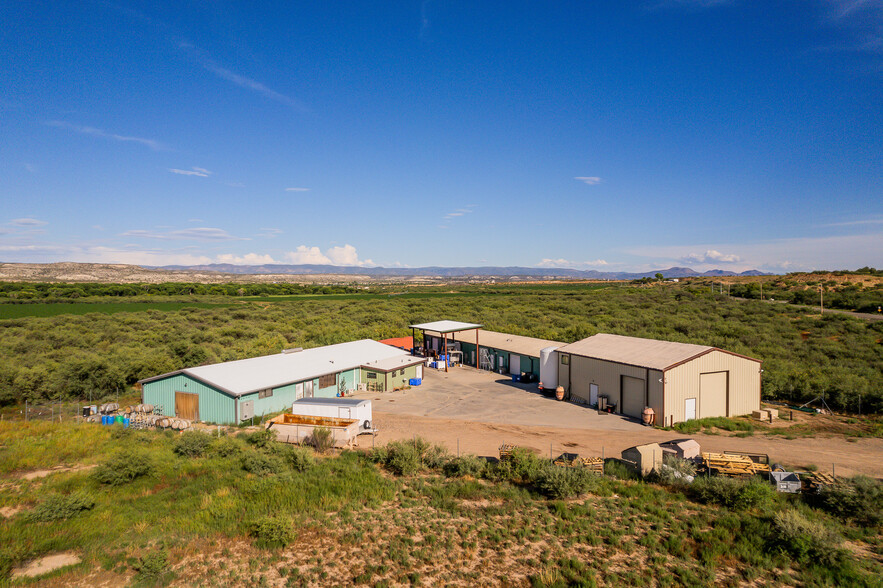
515	364
632	396
713	394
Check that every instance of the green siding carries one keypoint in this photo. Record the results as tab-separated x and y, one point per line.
214	406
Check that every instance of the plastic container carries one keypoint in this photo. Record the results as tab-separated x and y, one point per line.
126	423
118	419
515	377
415	381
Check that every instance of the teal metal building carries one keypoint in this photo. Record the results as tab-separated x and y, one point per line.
234	391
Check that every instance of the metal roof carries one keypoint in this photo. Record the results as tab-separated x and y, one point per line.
333	401
389	364
271	371
649	353
517	344
445	326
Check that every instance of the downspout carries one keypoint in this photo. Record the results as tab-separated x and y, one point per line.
236	410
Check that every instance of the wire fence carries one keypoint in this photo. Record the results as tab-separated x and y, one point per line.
50	412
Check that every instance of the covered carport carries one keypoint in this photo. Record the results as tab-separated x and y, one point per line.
444	329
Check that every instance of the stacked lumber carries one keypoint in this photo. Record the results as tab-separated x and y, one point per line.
732	465
572	460
820	480
506	451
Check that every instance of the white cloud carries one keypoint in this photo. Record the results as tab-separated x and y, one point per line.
307	255
458	212
269	233
195	171
247	259
860	222
297	189
345	255
590	180
196	233
155	145
711	256
565	263
27	222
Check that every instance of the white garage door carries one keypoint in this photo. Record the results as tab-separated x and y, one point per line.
515	364
632	396
713	394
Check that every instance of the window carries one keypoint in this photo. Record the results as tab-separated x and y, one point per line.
268	393
565	360
372	375
327	380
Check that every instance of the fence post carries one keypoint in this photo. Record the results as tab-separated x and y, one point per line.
26	411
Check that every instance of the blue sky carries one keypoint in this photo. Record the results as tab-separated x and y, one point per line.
617	136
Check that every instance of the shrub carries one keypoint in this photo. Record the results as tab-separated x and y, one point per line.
192	444
262	439
560	482
274	531
261	464
57	507
733	494
676	471
152	565
322	439
860	500
406	458
122	468
226	446
300	459
617	469
402	458
465	465
807	541
522	466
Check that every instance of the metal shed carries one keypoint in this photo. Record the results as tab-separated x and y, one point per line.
679	381
786	482
504	353
682	448
643	459
234	391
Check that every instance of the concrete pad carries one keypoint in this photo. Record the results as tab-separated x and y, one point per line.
468	394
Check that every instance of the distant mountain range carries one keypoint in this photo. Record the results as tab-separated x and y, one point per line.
453	272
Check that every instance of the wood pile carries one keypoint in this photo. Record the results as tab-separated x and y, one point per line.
572	460
506	451
732	465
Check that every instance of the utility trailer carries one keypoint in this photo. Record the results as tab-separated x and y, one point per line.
338	408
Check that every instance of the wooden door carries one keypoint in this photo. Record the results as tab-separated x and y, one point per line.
187	406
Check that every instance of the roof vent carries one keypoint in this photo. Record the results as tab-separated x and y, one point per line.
293	350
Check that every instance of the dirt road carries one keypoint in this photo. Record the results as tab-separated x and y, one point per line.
864	456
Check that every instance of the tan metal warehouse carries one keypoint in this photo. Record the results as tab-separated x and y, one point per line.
679	381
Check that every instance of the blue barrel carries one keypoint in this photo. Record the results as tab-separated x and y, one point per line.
514	377
125	422
103	419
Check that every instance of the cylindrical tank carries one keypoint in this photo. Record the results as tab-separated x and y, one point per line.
126	423
549	367
648	416
118	419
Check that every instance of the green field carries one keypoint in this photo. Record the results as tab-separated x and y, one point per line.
10	311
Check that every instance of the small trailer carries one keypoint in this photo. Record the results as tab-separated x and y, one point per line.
338	408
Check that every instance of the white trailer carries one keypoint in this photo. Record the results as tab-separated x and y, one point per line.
339	408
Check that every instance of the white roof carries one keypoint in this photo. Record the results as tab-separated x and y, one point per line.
445	326
271	371
393	363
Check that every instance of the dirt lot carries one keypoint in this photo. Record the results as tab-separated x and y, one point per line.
479	411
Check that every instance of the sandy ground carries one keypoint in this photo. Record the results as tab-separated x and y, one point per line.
478	412
44	565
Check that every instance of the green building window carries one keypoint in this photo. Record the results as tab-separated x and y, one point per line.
268	393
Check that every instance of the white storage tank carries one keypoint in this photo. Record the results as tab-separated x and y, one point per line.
549	367
338	408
